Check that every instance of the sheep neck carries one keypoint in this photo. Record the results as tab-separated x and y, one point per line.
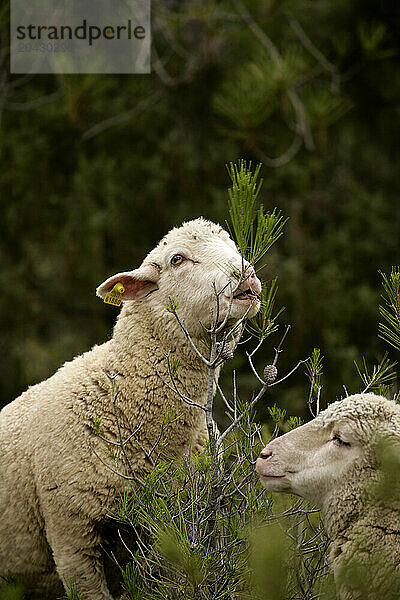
341	511
370	542
162	334
138	353
356	520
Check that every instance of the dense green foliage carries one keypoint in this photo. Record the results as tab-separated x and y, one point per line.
204	529
96	168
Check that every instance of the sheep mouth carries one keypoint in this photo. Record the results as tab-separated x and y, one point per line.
246	295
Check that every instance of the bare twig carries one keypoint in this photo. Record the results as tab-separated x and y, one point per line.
33	104
260	380
110	468
221	393
241	416
284	158
175	389
124	442
302	126
313	50
115	395
301	362
188	336
278	350
140	107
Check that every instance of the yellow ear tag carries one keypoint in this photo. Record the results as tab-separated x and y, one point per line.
114	296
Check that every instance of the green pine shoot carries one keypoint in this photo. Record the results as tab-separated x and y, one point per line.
172	304
293	422
264	323
379	379
73	593
390	332
277	414
314	371
253	230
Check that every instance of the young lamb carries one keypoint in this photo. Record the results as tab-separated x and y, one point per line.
335	461
55	493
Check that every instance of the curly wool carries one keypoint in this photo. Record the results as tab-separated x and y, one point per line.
363	527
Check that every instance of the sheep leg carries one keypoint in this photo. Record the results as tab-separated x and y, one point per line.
78	559
85	571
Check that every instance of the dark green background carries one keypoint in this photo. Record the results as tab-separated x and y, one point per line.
83	197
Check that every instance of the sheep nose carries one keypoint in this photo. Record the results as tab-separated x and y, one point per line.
248	277
266	453
253	282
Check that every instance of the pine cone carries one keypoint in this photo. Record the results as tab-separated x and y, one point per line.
227	352
270	373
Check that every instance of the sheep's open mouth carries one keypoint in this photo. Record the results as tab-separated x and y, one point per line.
246	295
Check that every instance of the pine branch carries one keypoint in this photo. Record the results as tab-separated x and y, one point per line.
379	378
253	230
390	332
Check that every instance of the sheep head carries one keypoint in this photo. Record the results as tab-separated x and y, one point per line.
333	456
192	264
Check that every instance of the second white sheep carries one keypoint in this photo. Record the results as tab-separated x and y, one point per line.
337	462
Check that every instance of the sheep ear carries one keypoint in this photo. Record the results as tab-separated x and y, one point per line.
137	283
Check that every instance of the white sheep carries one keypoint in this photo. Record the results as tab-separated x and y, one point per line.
335	461
54	491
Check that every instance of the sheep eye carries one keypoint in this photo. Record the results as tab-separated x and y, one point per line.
177	259
338	440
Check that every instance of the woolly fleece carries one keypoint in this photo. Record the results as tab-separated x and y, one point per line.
54	491
336	462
